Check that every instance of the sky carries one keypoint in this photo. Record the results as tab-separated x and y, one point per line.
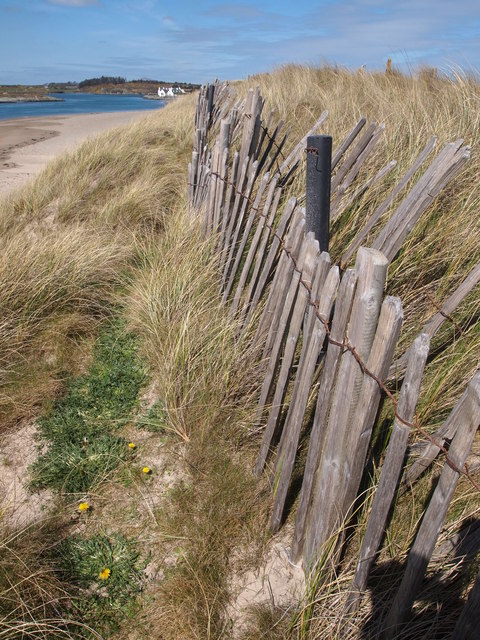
196	41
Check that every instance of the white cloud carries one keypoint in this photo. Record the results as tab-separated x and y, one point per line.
170	23
74	3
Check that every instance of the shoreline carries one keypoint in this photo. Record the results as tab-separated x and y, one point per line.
28	144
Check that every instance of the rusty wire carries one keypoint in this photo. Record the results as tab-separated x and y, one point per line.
347	346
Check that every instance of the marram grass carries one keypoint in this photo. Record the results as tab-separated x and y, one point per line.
105	228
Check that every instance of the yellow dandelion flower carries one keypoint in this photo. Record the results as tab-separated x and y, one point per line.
132	445
147	470
83	506
104	574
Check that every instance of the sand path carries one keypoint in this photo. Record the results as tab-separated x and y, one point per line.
28	144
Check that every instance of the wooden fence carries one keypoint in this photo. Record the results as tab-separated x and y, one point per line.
327	333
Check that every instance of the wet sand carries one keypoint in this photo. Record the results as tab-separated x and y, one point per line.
28	144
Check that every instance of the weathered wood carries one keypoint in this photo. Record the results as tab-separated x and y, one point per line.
372	268
226	207
445	167
391	468
220	190
306	369
262	220
322	271
431	450
297	152
281	280
295	304
362	417
360	421
267	231
238	227
268	148
468	624
246	231
281	297
359	238
339	205
464	545
193	176
284	290
340	319
360	161
353	156
434	517
189	183
285	303
349	138
448	307
232	218
251	117
278	152
259	286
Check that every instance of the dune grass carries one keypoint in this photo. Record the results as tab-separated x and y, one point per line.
105	232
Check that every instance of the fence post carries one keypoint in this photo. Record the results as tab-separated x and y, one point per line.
319	163
211	91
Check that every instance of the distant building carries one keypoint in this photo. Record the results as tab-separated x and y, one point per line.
161	92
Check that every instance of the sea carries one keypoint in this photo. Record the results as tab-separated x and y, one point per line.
75	103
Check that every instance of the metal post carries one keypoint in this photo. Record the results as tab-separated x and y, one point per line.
319	163
211	90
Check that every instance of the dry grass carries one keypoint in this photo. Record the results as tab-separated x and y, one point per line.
445	245
106	228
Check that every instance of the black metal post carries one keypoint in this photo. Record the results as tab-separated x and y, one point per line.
211	90
319	168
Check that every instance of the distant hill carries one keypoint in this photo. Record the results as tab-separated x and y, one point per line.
103	85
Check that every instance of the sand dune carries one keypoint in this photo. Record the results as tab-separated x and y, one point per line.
28	144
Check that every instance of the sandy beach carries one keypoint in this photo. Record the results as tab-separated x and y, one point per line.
28	144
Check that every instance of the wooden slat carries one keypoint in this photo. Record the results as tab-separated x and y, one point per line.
267	231
282	278
297	152
259	285
448	307
292	428
284	289
262	219
444	168
220	191
271	140
391	469
371	267
341	205
360	161
359	238
353	156
343	307
237	229
246	231
434	517
288	331
263	134
349	138
226	207
286	301
431	450
468	624
232	217
362	417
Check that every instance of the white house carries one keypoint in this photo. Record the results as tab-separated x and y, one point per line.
161	92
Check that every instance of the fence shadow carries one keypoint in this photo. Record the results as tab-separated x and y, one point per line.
441	598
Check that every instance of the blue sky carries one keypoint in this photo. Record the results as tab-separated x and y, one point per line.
59	40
